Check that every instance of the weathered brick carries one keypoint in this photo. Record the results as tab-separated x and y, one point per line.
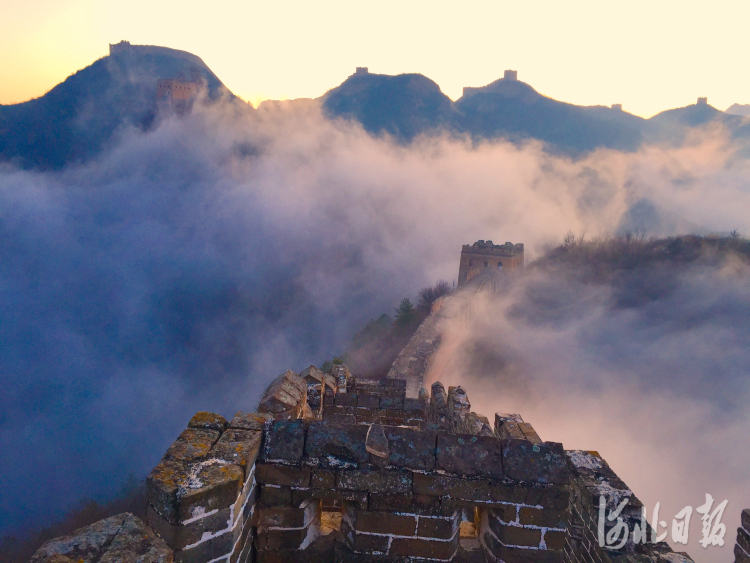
250	421
364	542
425	504
368	401
178	536
554	539
323	478
375	481
529	433
210	549
440	528
336	443
424	548
452	486
544	463
473	456
515	535
340	418
301	495
168	491
544	517
367	416
328	399
746	519
383	522
239	447
743	539
392	403
275	496
389	501
208	421
345	400
414	405
519	554
192	444
410	448
285	440
280	539
285	475
553	497
284	516
740	556
505	513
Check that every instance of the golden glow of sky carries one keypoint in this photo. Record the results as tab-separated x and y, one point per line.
648	55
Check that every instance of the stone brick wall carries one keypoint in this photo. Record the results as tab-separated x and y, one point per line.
742	547
202	494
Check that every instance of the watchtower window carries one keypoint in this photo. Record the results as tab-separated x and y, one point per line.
499	265
486	264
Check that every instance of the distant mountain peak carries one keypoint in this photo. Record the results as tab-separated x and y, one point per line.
508	86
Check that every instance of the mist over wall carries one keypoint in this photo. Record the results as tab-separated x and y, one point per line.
187	267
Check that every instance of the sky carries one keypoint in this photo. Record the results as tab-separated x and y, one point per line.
649	56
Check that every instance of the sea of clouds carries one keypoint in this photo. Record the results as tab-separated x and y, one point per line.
188	266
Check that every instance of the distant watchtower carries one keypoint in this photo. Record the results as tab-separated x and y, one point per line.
617	107
483	255
121	47
510	75
361	70
702	101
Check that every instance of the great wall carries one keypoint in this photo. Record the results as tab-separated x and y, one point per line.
332	467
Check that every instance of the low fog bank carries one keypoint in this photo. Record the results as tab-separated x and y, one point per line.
639	350
187	267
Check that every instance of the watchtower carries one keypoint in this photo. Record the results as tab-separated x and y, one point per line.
361	70
702	102
484	255
617	107
510	75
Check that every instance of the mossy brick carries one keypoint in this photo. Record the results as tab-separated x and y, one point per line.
284	441
180	491
551	497
368	401
333	443
515	535
392	403
284	475
374	481
280	539
410	448
192	444
472	456
345	400
250	421
423	548
240	447
208	421
544	517
544	463
177	536
438	527
274	496
554	539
